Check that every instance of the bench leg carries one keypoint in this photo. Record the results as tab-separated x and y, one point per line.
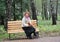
9	35
37	33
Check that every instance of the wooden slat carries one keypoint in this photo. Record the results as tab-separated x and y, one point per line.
14	28
15	31
14	23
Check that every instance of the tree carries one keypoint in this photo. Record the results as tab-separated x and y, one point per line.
53	13
20	7
56	8
13	5
42	11
8	15
2	11
21	10
45	10
33	9
1	20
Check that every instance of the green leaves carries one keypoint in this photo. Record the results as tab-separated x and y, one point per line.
2	7
20	7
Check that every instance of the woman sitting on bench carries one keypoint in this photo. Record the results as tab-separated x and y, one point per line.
27	26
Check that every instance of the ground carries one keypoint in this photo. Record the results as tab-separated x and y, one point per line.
43	39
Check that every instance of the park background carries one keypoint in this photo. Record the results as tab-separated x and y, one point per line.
46	12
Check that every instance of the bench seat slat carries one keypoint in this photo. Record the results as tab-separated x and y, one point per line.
17	31
14	26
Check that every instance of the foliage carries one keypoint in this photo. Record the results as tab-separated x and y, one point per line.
18	13
2	7
18	5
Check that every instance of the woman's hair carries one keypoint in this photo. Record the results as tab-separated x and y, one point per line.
27	13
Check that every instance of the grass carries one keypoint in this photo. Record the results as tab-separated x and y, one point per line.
46	26
3	33
55	28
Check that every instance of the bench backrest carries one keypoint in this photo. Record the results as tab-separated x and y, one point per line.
16	26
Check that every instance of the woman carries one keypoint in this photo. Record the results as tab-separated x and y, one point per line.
27	26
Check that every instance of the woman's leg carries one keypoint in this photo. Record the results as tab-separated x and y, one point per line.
33	30
27	32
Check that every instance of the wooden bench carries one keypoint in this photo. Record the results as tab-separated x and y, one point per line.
16	26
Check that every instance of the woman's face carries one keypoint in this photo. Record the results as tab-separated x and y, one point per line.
27	15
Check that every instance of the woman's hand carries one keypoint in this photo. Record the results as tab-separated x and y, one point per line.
29	24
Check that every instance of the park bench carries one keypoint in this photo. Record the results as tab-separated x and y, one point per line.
16	27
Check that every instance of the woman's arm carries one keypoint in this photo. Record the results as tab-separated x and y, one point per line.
29	23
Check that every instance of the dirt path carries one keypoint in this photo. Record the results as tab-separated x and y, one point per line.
43	39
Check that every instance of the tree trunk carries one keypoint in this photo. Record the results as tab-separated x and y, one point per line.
9	9
45	9
14	10
1	20
56	8
8	13
42	11
21	9
53	13
33	9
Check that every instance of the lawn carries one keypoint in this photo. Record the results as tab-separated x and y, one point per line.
47	26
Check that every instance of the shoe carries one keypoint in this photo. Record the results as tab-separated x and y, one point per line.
29	37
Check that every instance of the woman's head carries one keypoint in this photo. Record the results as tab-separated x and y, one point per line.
27	14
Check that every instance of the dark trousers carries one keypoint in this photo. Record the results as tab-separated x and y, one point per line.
29	30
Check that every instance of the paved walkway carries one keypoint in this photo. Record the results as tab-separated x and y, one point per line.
43	39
